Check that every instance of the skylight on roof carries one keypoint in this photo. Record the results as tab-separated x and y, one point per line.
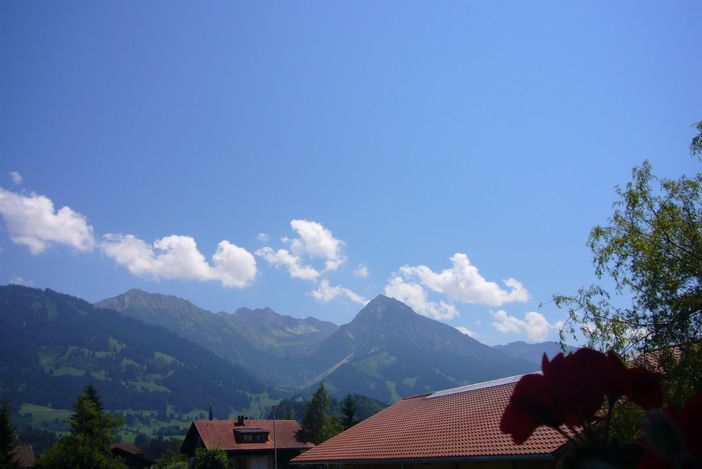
473	387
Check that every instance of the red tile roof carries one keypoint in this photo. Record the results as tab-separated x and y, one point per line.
220	434
24	456
461	423
127	447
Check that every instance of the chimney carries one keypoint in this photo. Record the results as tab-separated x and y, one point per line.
240	420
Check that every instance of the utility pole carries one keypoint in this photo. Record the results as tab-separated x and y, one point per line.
275	447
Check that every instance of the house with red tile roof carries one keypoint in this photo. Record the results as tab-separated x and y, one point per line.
455	428
253	444
131	455
24	456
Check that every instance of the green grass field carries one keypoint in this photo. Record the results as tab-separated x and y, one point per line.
41	415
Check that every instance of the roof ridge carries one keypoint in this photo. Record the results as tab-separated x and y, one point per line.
247	420
475	386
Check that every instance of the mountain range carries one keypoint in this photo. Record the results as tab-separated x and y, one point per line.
388	352
533	352
52	345
158	353
261	341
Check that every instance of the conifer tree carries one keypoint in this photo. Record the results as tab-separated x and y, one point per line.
8	439
317	422
87	447
348	412
91	393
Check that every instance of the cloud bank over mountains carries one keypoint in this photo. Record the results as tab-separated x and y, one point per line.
284	258
32	221
326	293
534	325
460	283
311	254
314	241
177	257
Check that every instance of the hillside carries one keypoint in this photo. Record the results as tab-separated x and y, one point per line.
261	341
52	345
532	352
267	330
388	351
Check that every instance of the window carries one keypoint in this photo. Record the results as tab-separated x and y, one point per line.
250	435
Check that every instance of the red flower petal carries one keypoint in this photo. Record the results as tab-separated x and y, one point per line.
644	388
528	408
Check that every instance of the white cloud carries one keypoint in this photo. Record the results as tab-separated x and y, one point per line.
534	325
32	221
263	237
283	258
316	241
177	257
16	177
326	293
361	271
17	280
313	241
468	332
463	283
414	295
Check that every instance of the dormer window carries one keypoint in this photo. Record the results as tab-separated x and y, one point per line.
250	435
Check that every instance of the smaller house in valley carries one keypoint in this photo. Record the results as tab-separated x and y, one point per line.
457	428
131	455
24	456
252	444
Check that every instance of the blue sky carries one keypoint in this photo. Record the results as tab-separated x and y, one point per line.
456	153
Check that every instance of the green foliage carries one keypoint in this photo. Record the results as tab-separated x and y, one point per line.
40	439
626	421
294	409
89	420
172	458
330	427
652	250
317	423
91	434
156	448
91	394
8	439
78	452
180	463
696	143
214	458
316	414
348	412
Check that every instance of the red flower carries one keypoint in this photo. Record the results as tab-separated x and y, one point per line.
644	388
528	408
578	383
572	389
689	419
616	377
680	445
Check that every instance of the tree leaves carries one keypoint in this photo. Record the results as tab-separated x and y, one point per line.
651	249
